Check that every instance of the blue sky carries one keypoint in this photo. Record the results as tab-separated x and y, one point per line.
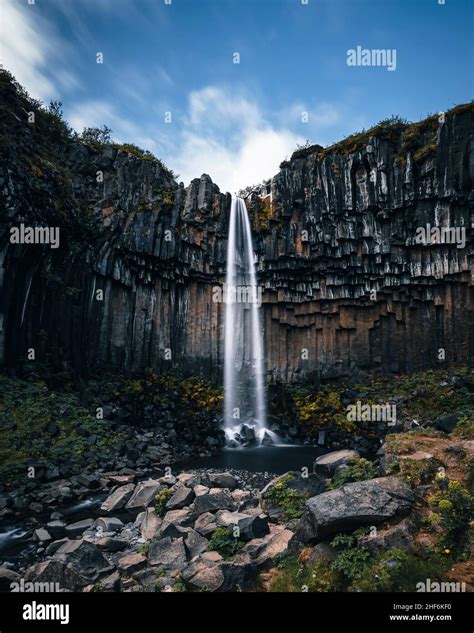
237	122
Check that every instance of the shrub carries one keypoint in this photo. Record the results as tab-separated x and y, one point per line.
417	471
454	506
161	499
359	469
464	428
351	560
224	543
290	500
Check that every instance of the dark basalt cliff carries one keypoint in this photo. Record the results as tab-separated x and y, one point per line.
346	286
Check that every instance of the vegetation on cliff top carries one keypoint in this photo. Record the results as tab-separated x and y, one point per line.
406	136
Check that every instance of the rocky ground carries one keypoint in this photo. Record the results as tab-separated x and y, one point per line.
231	531
111	506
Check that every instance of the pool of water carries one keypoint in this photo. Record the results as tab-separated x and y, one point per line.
273	459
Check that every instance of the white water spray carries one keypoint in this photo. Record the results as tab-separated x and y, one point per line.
244	393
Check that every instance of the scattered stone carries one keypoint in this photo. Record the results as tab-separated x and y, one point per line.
41	536
195	543
109	524
169	554
182	497
327	465
117	499
205	524
111	544
144	494
223	480
150	525
249	526
78	528
131	563
215	499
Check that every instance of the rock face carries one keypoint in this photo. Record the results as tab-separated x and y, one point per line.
141	257
361	503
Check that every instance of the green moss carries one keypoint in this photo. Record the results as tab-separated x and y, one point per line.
27	410
224	543
290	500
359	469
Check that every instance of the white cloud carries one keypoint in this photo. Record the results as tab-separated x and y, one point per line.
31	51
227	136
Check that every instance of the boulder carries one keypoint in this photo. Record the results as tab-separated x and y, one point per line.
169	554
131	563
205	524
223	480
109	524
327	465
447	423
56	571
111	544
84	558
118	498
7	576
150	525
204	574
195	543
79	527
215	499
41	536
360	503
175	522
56	528
264	550
250	526
143	495
182	497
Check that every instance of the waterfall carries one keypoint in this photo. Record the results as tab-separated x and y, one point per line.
244	391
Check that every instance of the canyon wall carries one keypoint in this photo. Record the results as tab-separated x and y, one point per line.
346	286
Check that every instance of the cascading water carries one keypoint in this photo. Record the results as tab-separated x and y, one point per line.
244	393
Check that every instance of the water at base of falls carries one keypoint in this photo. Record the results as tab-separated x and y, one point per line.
244	394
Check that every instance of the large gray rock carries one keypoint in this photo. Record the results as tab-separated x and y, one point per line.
109	524
204	574
168	554
78	528
328	464
265	550
56	571
361	503
195	543
182	497
150	525
223	480
84	558
143	495
205	523
215	499
250	526
176	522
118	498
